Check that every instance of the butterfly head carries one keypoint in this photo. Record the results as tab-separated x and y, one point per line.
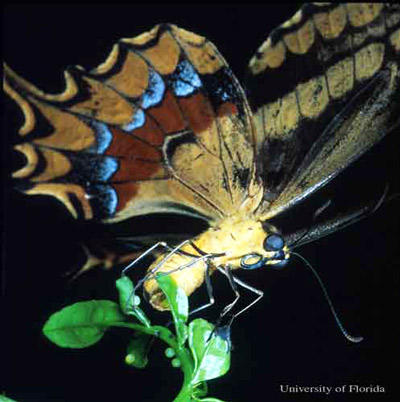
251	244
275	254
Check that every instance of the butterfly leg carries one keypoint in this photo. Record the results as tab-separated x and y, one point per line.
224	331
180	268
171	253
147	252
228	273
211	299
235	280
258	292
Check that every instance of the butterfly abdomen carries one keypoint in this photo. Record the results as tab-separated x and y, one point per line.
184	270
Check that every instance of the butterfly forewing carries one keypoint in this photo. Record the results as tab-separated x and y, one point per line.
131	136
324	87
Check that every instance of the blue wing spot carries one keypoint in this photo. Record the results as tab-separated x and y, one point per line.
138	120
104	200
90	167
106	168
94	168
155	91
102	134
185	80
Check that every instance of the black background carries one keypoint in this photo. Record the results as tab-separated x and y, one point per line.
289	338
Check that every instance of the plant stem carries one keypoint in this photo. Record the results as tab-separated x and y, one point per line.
182	354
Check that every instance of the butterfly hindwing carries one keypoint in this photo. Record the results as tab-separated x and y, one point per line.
324	87
131	136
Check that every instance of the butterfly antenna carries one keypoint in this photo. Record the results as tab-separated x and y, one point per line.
316	214
384	197
354	339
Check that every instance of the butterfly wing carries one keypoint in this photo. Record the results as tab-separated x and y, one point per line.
157	127
324	88
110	253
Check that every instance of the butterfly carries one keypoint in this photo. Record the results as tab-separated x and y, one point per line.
163	126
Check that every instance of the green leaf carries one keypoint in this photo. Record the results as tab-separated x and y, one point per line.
137	350
211	354
199	390
129	301
178	303
3	398
82	324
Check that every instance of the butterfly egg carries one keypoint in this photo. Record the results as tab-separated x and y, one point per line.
130	359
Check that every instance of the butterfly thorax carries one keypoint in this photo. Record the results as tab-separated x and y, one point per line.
227	244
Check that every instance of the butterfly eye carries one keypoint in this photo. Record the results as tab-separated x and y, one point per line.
252	261
274	242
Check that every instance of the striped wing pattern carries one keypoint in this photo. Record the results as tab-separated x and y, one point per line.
324	87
